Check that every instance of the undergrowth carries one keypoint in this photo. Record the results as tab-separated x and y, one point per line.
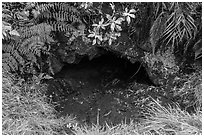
172	121
25	111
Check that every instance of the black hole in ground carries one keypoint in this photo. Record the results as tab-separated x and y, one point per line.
108	64
93	90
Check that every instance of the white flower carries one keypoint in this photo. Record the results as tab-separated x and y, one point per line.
100	25
129	14
96	35
115	23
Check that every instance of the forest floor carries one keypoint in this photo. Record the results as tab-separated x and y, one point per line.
102	96
98	101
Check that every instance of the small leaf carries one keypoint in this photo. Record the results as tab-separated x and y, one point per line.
91	35
4	35
117	34
98	42
5	23
110	41
112	26
125	14
132	10
112	6
105	38
114	37
103	27
95	25
108	16
102	20
132	15
119	20
126	10
118	28
94	42
100	38
128	19
14	32
106	24
5	28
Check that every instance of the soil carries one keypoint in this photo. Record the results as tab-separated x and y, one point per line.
99	91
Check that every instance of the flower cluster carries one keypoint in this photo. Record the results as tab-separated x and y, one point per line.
112	25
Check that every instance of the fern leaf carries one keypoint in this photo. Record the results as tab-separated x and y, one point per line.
40	29
44	15
31	57
18	57
66	7
36	47
30	40
7	48
10	61
45	7
6	67
58	26
61	12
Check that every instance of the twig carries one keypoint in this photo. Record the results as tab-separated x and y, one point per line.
136	71
98	117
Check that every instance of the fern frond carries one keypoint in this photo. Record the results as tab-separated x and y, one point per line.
40	29
34	39
60	16
36	47
9	62
11	56
60	26
59	12
65	16
60	6
73	18
30	41
32	45
7	48
45	6
44	16
18	57
5	67
32	57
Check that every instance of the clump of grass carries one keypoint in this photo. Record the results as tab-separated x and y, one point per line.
159	121
172	121
26	112
131	128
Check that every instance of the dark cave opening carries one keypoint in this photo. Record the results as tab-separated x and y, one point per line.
111	65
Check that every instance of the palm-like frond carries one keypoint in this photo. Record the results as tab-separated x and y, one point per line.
179	26
157	30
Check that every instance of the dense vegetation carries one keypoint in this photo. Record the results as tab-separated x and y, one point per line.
38	38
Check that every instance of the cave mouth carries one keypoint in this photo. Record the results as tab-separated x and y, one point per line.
99	84
108	65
